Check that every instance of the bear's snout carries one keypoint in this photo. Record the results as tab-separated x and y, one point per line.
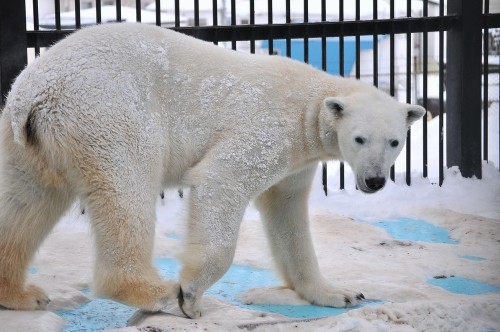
375	184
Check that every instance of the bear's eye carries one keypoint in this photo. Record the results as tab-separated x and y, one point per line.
394	143
359	140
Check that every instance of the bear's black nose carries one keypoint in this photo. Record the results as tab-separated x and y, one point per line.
375	183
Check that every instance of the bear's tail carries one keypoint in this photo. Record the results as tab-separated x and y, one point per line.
23	123
33	140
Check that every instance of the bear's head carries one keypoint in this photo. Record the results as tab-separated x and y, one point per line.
370	132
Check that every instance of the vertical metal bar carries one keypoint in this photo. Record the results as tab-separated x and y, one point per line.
233	22
78	21
13	43
177	14
306	39
358	41
408	94
158	12
118	10
36	26
441	96
270	22
36	18
98	11
57	9
215	18
391	70
196	13
252	12
138	16
215	9
375	45
463	88
324	67
341	39
341	72
324	176
288	20
252	22
425	54
485	84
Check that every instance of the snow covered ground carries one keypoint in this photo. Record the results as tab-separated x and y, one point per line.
352	250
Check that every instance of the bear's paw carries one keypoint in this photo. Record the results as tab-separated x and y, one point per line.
329	296
30	298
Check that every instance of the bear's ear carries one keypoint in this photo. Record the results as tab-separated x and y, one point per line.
334	105
414	112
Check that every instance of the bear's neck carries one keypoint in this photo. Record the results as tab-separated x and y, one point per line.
320	141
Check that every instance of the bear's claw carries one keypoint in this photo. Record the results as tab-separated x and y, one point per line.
180	297
360	297
348	302
187	303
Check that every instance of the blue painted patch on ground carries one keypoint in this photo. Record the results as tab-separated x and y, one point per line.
305	311
415	230
100	314
490	329
420	230
241	278
97	315
473	258
460	285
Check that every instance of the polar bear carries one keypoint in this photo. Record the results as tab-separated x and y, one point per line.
114	113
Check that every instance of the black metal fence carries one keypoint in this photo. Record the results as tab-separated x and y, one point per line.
440	54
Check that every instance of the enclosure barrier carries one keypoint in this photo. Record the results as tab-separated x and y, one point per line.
460	66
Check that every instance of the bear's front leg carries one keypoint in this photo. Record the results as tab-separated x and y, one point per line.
214	221
284	211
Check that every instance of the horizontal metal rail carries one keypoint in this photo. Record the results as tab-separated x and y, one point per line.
491	21
228	33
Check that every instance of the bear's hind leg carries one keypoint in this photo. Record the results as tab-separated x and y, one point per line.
28	211
123	222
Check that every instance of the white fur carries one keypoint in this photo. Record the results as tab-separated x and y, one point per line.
114	113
